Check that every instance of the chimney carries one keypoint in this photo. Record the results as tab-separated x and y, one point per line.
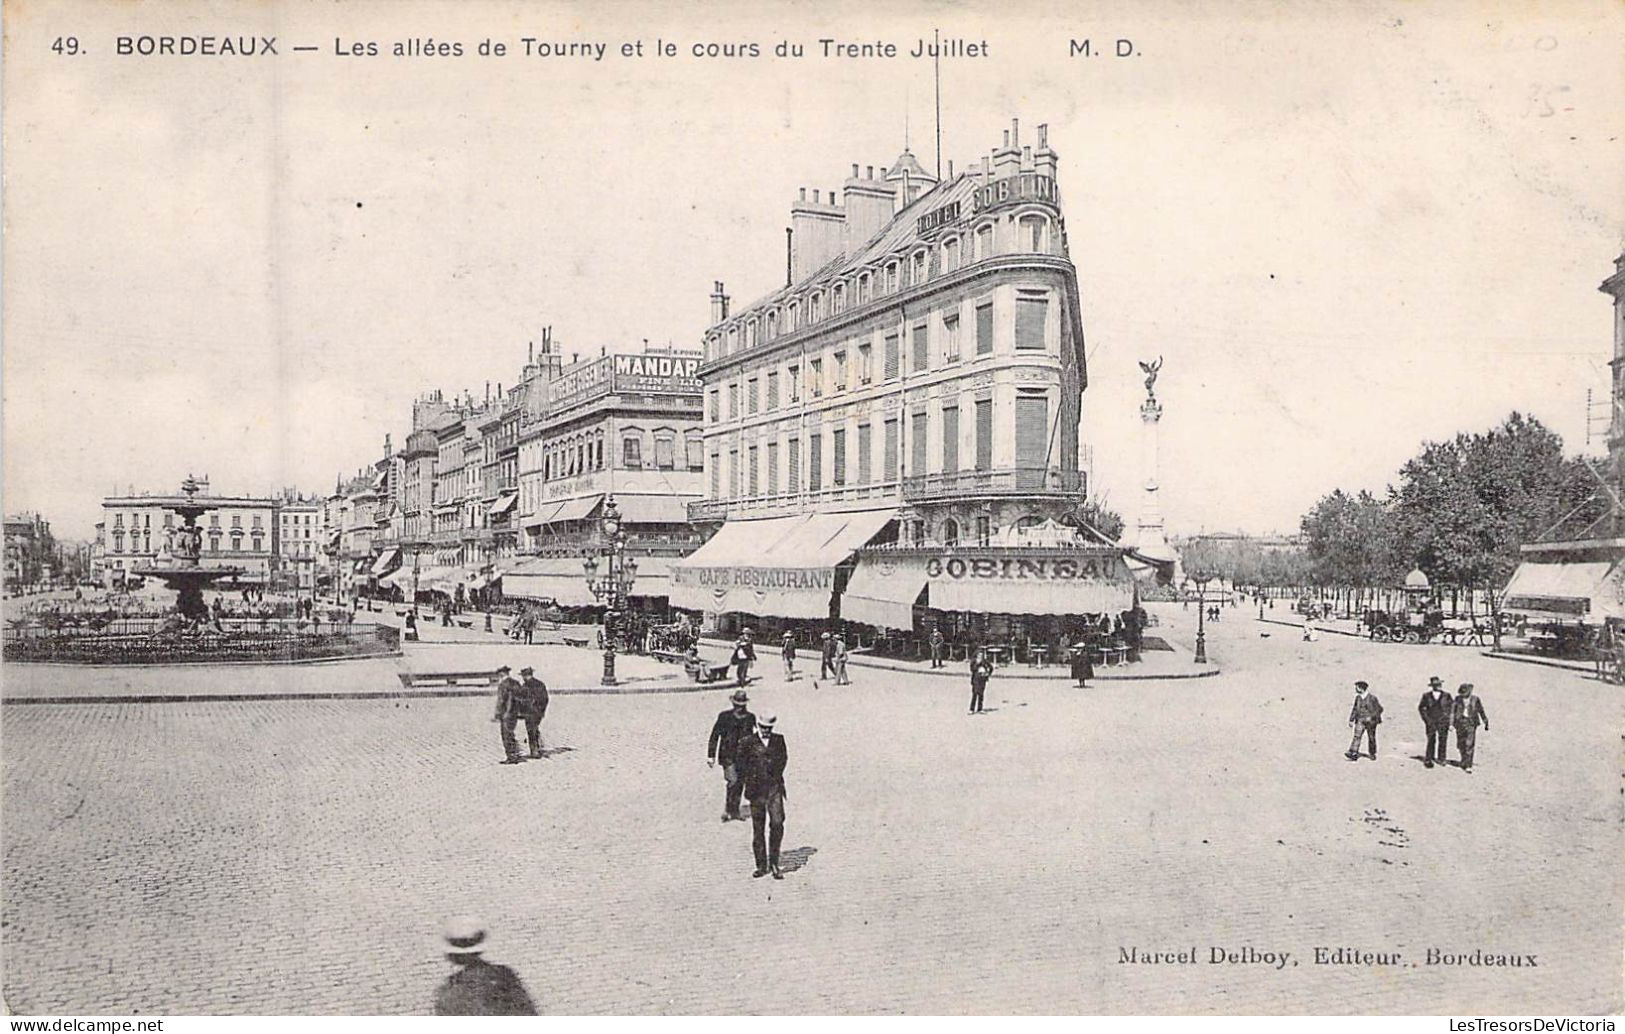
868	205
719	303
1044	159
1007	159
818	234
789	256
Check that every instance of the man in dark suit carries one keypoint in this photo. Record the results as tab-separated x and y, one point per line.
1435	710
1466	712
981	669
518	700
762	758
1364	717
727	732
744	656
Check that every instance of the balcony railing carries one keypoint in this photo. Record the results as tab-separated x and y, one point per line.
1018	481
1015	481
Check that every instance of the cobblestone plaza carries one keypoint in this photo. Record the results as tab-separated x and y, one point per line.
299	855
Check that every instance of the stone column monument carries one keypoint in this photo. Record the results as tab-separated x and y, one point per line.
1148	538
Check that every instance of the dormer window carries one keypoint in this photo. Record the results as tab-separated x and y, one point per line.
920	266
839	302
891	278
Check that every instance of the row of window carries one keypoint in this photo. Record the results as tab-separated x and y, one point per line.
144	520
851	365
1016	232
759	473
143	543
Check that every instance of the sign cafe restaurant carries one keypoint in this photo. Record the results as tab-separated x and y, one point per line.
891	439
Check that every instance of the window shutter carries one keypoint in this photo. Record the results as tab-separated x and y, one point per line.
984	434
984	328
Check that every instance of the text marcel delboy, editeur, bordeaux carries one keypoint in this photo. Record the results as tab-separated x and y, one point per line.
1217	955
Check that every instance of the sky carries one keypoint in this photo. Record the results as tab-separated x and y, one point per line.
1346	230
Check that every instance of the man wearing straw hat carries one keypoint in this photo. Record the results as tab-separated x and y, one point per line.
477	987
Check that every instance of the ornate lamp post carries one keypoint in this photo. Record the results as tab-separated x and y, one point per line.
1201	578
614	584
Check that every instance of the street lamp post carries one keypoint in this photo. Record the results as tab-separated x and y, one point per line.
1201	581
614	583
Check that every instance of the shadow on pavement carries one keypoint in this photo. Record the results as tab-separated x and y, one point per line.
795	858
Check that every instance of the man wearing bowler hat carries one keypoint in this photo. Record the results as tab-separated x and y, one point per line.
1435	711
762	757
477	987
730	728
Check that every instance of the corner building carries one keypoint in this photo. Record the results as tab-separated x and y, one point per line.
909	403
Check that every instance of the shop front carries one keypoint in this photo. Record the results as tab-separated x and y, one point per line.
1027	603
777	567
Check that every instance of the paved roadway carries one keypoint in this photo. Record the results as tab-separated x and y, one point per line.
298	856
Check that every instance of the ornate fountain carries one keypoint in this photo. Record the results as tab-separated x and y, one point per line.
186	574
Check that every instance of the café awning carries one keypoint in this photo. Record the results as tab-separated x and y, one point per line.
1566	591
387	560
560	579
882	592
541	516
503	505
1030	582
654	576
575	509
783	566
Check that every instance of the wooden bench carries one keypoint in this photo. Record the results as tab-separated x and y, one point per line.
668	656
464	624
446	678
573	641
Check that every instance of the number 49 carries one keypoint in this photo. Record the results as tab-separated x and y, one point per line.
66	45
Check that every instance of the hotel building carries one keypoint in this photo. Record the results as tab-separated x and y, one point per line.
891	438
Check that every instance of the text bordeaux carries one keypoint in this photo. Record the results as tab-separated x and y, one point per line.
1007	568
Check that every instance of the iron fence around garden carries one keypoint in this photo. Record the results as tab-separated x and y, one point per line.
147	641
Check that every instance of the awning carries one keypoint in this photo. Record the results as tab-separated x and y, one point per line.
653	509
783	566
1030	582
542	516
654	576
575	509
1570	591
388	559
503	505
561	579
882	592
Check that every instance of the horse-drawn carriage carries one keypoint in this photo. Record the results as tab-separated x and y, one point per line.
1404	626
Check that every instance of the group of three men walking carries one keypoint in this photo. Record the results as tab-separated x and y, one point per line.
1440	713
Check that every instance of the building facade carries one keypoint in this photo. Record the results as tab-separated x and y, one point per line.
301	559
916	386
239	531
627	426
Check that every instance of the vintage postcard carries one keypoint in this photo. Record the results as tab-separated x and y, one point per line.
1147	476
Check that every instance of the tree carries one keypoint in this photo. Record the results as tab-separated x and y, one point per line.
1349	543
1463	507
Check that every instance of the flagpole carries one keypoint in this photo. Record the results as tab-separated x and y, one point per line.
936	73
